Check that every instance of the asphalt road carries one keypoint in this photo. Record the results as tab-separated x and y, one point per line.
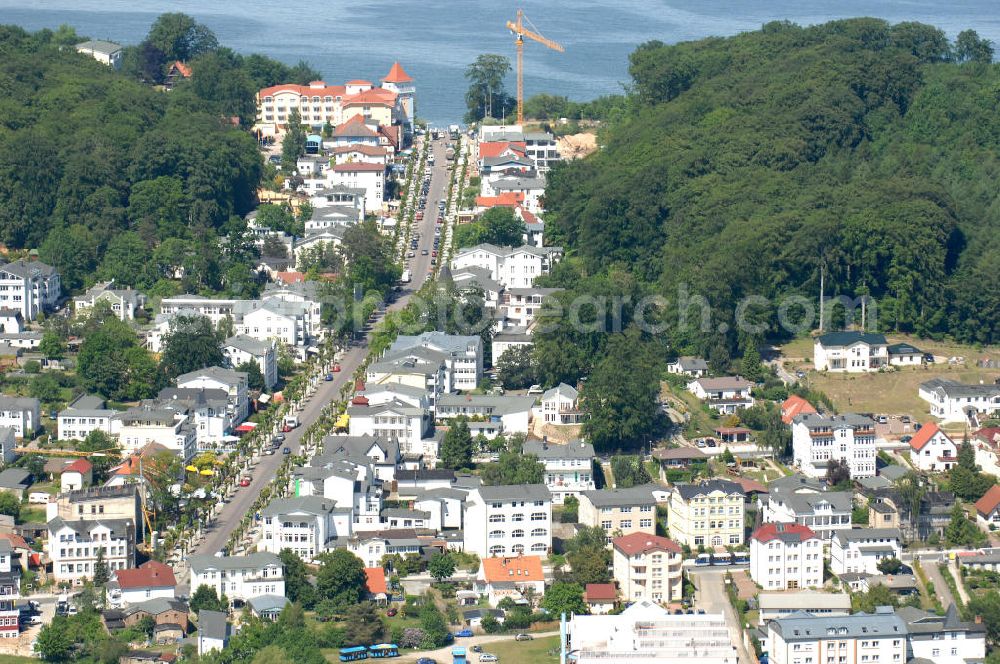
941	588
711	596
218	532
443	655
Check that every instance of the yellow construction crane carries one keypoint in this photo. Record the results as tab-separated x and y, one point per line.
520	32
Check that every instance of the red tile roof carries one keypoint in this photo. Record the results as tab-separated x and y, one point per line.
153	574
644	543
290	277
600	592
359	81
375	580
526	217
520	568
795	405
81	466
182	68
924	436
750	486
989	502
770	531
397	75
988	435
16	541
506	199
322	90
354	126
496	148
373	97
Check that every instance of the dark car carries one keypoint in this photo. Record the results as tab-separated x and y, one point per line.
391	612
465	633
286	450
929	358
477	648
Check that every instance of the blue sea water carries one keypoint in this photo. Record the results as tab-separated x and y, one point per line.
436	39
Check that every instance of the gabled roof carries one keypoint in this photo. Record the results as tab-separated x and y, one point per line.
520	568
840	339
637	495
375	580
637	543
397	74
152	574
922	437
786	532
600	592
572	450
81	466
357	166
986	505
723	383
315	88
795	405
515	492
354	127
705	487
182	68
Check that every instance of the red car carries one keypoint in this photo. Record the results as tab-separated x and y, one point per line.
245	481
391	612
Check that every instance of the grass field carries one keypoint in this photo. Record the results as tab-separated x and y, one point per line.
535	651
16	659
894	392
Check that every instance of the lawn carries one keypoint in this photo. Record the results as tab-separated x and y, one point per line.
16	659
535	651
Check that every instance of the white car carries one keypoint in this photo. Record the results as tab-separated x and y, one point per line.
488	657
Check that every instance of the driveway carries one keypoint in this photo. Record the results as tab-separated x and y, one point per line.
711	596
443	655
941	588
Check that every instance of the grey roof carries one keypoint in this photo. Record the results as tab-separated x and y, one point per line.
494	404
200	563
89	402
213	625
438	494
862	534
573	450
803	626
248	344
877	482
518	183
892	472
316	505
922	622
425	474
393	406
838	339
448	343
688	363
119	527
401	513
515	492
804	502
157	605
268	603
147	413
490	162
844	421
100	46
28	269
705	487
903	349
18	403
193	397
15	478
356	447
893	581
637	495
561	389
227	376
724	383
955	390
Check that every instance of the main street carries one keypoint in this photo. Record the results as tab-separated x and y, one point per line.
218	532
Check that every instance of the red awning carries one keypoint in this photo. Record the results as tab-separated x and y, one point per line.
246	427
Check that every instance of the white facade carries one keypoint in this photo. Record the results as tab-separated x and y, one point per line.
511	267
241	578
20	414
123	302
945	639
86	414
29	287
878	638
512	412
463	355
861	549
850	352
73	547
819	439
509	520
951	401
786	557
808	503
10	592
726	395
233	383
561	405
307	525
242	349
569	468
106	52
369	177
395	420
647	567
171	429
932	450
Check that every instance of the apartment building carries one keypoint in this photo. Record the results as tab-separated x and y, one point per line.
521	306
951	401
241	578
786	556
850	352
308	525
85	414
709	513
151	580
319	104
862	638
463	355
569	469
147	424
933	450
10	592
369	177
943	639
619	511
20	414
30	287
647	567
508	520
73	547
862	549
726	395
561	405
98	503
807	502
233	383
819	439
123	302
241	349
512	412
395	420
511	267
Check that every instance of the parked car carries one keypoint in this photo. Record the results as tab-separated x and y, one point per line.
465	633
477	648
245	482
488	657
286	450
426	660
524	637
392	611
328	377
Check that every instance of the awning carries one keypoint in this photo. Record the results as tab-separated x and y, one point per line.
343	421
264	398
193	469
207	472
246	427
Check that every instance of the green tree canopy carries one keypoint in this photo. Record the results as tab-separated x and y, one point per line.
441	566
486	96
190	344
513	468
563	598
180	37
456	448
341	577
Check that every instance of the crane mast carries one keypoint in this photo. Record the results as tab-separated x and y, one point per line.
520	32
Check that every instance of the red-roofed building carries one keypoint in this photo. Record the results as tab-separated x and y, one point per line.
795	405
290	277
988	507
178	71
509	577
647	567
138	584
361	175
784	556
600	597
397	75
933	450
507	199
23	554
375	585
492	149
77	475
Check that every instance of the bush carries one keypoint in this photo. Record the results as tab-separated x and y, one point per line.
491	625
32	366
411	637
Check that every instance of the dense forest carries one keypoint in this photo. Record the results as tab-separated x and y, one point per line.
108	176
746	165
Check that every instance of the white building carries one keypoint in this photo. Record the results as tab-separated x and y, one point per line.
396	420
145	424
10	592
513	413
511	267
73	547
933	450
206	409
861	549
857	639
85	414
569	468
30	287
233	383
241	349
106	52
786	556
695	367
123	302
646	631
521	306
647	567
807	502
509	520
725	395
943	639
819	439
20	414
561	405
308	525
240	578
817	602
151	580
905	355
364	175
951	401
463	355
445	505
850	352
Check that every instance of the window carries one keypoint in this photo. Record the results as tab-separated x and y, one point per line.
645	523
538	516
627	523
517	533
496	534
496	550
606	525
538	532
497	518
538	548
517	548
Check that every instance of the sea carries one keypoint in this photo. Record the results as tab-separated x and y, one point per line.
435	40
